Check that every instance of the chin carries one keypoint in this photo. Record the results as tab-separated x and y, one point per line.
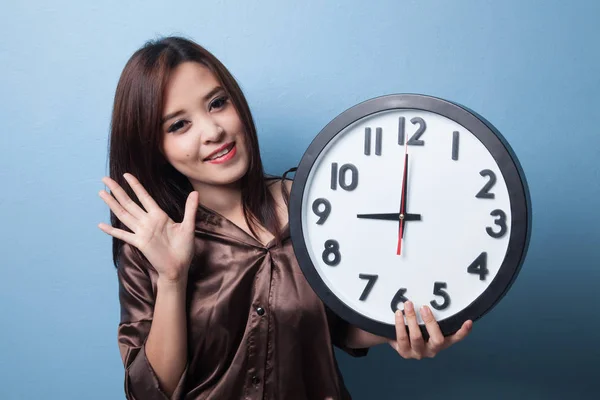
231	176
230	180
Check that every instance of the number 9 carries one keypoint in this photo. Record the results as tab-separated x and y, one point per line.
323	215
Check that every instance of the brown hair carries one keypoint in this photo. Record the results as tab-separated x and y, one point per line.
136	135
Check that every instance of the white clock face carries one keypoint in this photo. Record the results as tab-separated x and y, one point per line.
457	215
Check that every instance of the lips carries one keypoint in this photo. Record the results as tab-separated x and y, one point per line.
220	152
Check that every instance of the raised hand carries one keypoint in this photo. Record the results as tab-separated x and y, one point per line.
168	245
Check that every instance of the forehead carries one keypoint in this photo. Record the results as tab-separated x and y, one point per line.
189	81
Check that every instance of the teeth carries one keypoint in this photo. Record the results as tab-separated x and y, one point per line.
220	154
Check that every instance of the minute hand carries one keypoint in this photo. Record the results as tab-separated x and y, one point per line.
390	216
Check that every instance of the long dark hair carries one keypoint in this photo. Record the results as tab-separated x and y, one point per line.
136	135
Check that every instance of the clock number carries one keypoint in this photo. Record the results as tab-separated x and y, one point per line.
484	193
401	131
378	139
500	221
371	281
323	215
438	290
479	266
414	140
332	247
341	177
455	137
398	298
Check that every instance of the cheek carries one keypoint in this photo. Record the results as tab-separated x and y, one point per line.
243	147
178	150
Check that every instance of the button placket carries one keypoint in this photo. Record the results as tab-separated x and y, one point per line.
260	304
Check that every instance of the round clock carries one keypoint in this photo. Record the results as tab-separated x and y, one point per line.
409	197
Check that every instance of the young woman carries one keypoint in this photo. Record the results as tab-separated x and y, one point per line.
213	302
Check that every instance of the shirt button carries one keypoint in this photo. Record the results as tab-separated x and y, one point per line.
255	380
260	311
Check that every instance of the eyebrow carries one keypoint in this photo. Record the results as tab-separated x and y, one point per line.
174	114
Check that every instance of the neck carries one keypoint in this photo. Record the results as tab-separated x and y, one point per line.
224	199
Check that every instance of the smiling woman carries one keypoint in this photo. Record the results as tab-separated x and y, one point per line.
173	86
213	302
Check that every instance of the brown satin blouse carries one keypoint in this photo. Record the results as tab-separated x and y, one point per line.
256	329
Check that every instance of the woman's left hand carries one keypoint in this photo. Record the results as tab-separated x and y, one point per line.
412	344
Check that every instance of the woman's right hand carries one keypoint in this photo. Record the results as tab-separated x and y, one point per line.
168	246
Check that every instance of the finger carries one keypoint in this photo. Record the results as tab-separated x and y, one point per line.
436	337
141	193
118	233
402	340
120	212
123	198
462	333
191	206
416	338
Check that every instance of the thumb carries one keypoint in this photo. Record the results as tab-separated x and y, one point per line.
191	207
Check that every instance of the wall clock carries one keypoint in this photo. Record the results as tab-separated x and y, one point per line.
409	196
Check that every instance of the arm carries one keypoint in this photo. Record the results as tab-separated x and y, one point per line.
166	347
340	332
359	339
152	333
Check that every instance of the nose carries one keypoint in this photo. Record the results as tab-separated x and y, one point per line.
211	132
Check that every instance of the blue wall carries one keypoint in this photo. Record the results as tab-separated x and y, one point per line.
530	67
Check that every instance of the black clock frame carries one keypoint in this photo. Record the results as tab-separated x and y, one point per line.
509	167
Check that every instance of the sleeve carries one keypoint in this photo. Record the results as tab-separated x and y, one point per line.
136	297
339	331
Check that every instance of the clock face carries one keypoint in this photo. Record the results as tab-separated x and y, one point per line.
408	198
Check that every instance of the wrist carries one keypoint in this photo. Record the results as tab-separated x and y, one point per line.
171	284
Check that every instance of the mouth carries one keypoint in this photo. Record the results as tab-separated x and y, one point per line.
222	154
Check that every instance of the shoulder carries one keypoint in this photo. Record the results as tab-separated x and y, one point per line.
280	190
287	184
277	181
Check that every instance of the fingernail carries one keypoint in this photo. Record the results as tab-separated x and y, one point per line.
408	306
425	311
398	313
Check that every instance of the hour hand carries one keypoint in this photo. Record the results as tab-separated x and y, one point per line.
390	216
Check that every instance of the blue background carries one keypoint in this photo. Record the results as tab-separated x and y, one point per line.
530	67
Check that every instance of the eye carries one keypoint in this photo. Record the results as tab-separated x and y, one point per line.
176	126
219	102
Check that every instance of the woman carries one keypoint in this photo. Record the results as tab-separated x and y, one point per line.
213	302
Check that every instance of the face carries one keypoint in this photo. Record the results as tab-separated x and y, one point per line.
204	138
